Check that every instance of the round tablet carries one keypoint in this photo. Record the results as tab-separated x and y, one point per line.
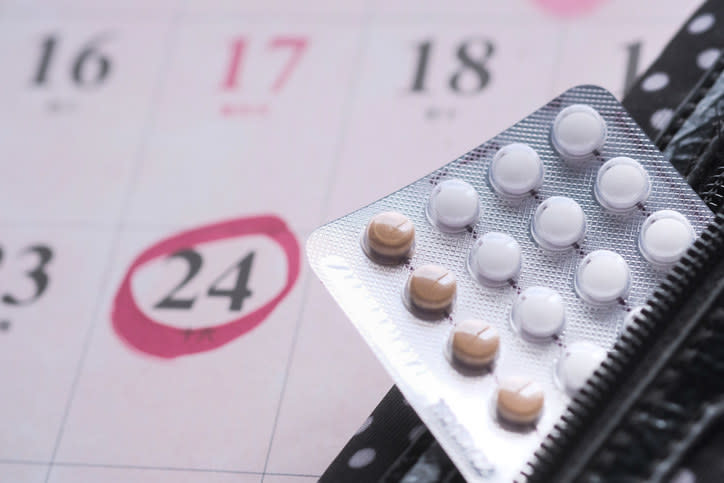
665	236
494	259
603	277
519	400
578	131
453	205
389	237
558	223
431	288
538	312
474	343
516	171
621	184
579	361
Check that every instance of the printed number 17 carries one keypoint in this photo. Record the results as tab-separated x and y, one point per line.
297	45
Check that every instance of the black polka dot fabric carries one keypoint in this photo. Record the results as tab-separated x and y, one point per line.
382	440
679	102
703	462
655	97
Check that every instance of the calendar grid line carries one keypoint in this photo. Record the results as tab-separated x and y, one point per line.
151	468
190	16
115	241
105	280
344	127
11	461
328	18
285	379
127	226
446	19
557	58
80	225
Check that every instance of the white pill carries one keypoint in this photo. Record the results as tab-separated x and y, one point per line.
453	205
515	171
603	277
578	131
621	184
558	223
579	361
665	236
538	312
494	259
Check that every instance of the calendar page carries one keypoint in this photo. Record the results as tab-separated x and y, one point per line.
164	162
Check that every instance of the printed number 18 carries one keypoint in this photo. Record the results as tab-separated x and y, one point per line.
470	66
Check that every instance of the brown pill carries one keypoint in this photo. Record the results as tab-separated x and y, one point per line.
474	343
432	288
520	400
390	235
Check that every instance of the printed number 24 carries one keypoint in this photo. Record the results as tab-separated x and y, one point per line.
195	261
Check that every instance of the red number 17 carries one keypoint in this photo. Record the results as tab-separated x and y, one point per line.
296	45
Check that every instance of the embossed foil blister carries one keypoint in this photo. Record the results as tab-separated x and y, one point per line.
459	407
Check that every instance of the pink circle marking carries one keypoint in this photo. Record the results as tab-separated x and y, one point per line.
156	338
568	8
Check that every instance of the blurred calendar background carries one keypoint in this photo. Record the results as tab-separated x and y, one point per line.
163	163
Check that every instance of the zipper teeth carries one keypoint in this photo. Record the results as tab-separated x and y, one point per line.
567	434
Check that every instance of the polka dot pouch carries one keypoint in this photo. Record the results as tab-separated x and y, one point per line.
493	287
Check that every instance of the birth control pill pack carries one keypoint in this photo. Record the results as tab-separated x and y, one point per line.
491	288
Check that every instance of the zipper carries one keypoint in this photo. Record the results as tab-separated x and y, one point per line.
633	419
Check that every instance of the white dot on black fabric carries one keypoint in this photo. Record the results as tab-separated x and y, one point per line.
364	426
661	118
362	458
655	81
684	475
416	431
706	58
701	23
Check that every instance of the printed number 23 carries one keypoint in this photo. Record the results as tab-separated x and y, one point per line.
38	275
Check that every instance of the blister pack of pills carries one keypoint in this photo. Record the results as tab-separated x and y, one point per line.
493	287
